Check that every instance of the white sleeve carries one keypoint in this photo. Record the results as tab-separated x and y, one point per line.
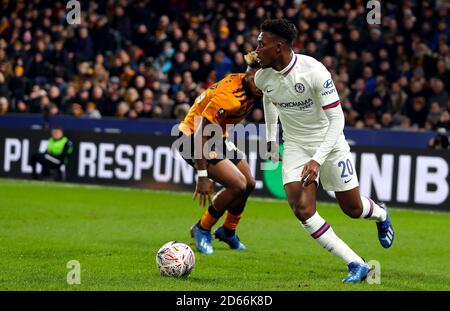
336	118
324	88
328	98
271	117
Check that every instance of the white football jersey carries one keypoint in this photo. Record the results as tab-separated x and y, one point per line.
300	93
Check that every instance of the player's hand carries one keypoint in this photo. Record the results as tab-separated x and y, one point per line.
273	152
203	190
310	172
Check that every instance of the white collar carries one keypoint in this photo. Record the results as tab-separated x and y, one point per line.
290	65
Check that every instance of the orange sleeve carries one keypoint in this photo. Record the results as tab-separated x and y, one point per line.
218	107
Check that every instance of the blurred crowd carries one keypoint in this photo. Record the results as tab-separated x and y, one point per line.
152	58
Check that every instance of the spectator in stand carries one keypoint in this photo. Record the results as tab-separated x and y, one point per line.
222	65
397	100
92	111
386	120
444	120
405	125
359	97
435	114
417	111
438	93
4	105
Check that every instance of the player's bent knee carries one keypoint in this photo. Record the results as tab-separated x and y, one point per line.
251	184
239	187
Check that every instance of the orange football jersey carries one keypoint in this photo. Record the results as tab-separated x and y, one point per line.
223	103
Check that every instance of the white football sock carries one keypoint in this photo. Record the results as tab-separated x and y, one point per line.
322	232
371	210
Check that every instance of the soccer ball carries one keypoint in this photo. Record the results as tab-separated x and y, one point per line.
175	259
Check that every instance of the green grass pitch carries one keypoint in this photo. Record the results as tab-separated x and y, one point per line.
114	233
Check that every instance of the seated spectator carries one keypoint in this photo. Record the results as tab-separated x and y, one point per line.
222	65
371	121
444	120
21	107
417	111
91	111
386	120
53	110
397	100
378	107
122	110
369	79
166	105
360	98
439	94
435	113
76	110
3	105
54	95
405	125
157	112
181	111
69	98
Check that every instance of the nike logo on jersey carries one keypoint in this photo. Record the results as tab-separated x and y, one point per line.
268	91
347	181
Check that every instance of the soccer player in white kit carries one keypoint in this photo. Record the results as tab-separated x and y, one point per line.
299	90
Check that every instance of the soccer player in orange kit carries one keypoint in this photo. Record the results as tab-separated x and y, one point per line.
227	102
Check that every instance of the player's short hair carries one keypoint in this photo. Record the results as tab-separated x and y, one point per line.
280	27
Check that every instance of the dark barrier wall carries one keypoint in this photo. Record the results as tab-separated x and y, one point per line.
414	178
365	137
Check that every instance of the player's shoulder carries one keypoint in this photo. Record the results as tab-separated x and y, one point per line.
231	81
227	89
228	84
262	76
309	63
311	67
233	78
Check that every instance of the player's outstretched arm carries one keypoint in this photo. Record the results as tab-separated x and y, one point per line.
204	186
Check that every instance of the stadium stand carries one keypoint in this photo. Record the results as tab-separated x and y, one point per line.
151	59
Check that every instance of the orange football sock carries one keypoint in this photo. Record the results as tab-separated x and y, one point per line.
231	221
208	220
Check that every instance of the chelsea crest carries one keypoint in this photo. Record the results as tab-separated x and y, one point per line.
299	87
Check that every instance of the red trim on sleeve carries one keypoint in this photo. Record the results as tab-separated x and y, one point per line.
332	105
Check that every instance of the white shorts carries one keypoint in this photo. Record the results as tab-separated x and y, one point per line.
336	174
